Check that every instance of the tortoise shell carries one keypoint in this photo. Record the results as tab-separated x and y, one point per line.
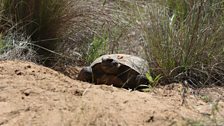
136	63
120	70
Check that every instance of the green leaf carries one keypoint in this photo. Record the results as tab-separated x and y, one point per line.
158	77
149	77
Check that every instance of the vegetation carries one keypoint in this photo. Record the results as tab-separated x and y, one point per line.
182	40
38	21
38	18
97	48
1	42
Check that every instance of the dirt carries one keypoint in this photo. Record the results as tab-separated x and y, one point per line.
34	95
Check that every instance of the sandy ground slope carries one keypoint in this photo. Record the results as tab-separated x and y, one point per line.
35	95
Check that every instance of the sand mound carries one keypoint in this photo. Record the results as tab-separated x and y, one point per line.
36	95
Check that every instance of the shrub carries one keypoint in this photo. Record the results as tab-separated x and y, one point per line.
183	40
41	20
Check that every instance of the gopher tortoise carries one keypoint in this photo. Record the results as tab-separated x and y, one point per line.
120	70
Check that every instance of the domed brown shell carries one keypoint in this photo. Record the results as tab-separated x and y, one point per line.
136	63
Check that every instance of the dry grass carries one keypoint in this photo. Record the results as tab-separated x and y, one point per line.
182	40
98	28
39	21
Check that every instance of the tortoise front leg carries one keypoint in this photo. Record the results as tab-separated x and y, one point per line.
86	74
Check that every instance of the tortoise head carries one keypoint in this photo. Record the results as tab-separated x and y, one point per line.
110	66
85	74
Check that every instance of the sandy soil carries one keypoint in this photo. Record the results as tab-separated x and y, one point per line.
35	95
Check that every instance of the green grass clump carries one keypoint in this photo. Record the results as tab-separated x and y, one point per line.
97	48
184	40
1	41
1	44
